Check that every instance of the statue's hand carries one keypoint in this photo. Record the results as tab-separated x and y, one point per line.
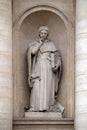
58	64
41	41
30	82
35	48
54	68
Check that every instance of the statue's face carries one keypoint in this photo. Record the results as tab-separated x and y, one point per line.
43	34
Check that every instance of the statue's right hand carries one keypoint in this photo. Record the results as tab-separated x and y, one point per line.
30	82
41	42
35	49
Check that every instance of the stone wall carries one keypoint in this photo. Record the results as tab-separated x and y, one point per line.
6	65
28	16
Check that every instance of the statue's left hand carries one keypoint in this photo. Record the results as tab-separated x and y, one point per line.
54	68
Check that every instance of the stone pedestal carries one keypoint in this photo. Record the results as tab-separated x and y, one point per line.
27	124
43	115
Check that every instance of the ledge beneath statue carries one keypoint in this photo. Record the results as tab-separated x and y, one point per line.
43	115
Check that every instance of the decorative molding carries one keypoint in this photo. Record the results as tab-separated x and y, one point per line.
36	8
26	121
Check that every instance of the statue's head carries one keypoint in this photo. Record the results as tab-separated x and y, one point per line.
43	32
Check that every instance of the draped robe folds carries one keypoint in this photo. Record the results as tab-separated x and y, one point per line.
42	80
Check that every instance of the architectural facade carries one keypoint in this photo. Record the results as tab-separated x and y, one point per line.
19	23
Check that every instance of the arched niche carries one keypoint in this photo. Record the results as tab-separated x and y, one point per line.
26	31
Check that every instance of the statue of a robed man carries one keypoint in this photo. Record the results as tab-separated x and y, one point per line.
44	71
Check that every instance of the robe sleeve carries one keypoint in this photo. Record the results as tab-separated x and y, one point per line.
31	57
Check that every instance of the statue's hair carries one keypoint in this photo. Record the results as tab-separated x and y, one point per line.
43	28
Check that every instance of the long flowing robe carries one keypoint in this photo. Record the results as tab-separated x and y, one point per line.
43	81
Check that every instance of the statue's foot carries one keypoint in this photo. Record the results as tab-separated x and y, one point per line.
31	109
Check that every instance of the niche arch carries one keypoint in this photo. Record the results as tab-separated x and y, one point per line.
25	30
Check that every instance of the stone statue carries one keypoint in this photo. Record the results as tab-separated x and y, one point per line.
44	71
